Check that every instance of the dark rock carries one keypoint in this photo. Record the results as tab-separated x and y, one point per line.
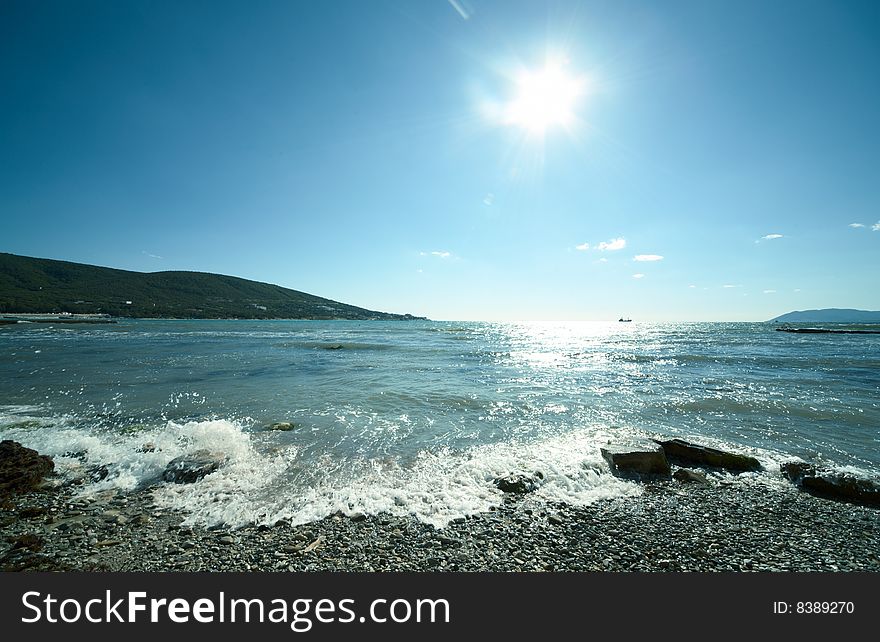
518	484
27	541
795	471
641	458
192	467
687	475
686	453
21	469
832	484
97	473
283	426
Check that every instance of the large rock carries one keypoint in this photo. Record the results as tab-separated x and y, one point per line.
832	484
685	453
642	458
518	484
192	467
21	469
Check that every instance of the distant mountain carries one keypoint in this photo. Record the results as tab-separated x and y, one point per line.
44	285
829	315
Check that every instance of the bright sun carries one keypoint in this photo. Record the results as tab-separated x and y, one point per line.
544	99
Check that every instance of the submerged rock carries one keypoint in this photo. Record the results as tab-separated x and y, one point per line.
681	451
193	466
642	458
518	484
21	469
831	484
282	426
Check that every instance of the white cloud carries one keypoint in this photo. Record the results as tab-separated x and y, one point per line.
856	225
152	256
638	276
692	286
582	247
769	291
797	289
602	260
441	254
612	245
769	237
876	227
490	198
462	8
647	257
729	286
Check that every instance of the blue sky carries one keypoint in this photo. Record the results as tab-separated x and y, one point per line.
366	152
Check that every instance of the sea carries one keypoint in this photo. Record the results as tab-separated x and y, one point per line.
420	417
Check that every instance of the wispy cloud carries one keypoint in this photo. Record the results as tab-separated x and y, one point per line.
602	260
152	256
442	254
638	276
769	291
769	237
692	287
489	199
647	257
856	225
612	246
582	247
876	227
728	285
461	6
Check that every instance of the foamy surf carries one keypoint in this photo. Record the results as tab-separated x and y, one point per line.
437	487
263	482
266	479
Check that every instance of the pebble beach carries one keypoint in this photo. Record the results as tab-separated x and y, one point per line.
732	524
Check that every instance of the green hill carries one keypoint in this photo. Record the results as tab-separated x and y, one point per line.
44	285
829	315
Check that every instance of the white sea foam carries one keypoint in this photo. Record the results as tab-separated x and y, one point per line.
265	480
133	459
436	487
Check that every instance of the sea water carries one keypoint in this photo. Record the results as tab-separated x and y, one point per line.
420	417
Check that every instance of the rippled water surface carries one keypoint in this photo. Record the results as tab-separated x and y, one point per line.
420	416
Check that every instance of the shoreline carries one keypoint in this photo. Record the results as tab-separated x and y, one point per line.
731	525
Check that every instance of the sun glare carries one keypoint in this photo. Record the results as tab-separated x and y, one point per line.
545	99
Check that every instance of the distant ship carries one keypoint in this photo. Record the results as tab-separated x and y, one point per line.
622	320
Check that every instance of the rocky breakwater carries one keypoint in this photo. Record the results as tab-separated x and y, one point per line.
639	459
686	453
831	484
